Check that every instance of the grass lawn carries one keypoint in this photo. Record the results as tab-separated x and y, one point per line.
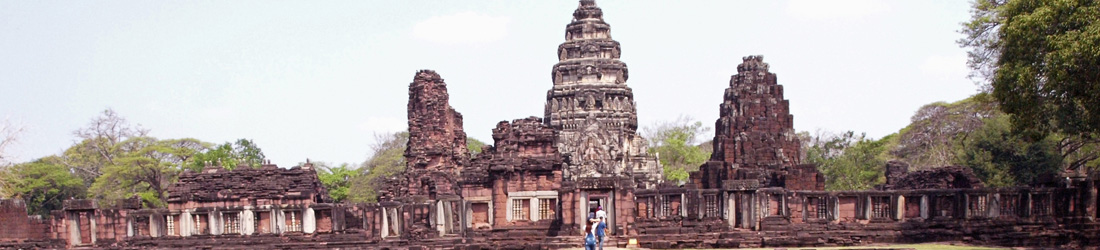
926	246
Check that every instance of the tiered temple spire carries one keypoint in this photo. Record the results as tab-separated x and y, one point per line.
592	106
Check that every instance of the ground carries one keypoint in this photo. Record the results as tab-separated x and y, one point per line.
927	246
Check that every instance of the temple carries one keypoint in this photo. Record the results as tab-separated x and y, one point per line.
533	187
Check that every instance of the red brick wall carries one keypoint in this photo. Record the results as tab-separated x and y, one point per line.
16	225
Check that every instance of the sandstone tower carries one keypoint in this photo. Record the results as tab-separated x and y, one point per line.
436	150
755	128
754	142
592	106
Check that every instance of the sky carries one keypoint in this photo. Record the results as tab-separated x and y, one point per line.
319	79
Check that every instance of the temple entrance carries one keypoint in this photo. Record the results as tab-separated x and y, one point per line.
596	199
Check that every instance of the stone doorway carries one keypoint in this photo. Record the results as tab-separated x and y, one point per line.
594	199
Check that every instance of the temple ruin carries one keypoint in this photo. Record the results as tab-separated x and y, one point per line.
532	188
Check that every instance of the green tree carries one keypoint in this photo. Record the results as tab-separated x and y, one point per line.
147	170
928	141
848	161
474	146
337	180
43	184
1002	158
99	144
1042	61
387	160
676	145
230	155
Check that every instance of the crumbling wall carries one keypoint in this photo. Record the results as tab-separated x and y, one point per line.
17	225
948	177
243	186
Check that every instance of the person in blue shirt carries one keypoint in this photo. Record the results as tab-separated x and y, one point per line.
601	227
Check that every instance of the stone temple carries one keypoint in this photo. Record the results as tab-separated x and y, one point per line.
593	108
532	188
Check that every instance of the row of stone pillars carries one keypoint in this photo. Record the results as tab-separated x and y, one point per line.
213	222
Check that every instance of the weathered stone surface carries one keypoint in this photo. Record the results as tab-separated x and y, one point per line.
437	144
592	106
268	184
755	138
948	177
755	128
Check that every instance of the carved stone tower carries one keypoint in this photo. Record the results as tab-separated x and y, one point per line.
755	128
436	150
592	106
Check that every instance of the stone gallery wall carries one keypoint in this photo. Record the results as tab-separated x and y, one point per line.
534	187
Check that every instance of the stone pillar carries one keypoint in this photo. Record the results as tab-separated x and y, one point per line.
835	207
185	223
965	206
1090	199
280	221
130	227
385	223
731	210
91	222
867	207
900	212
309	221
994	205
533	213
248	221
214	222
924	207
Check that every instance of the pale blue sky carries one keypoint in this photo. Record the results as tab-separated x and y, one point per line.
316	79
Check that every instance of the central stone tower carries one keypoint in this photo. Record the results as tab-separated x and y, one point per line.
593	108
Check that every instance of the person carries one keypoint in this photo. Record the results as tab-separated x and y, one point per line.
601	226
590	236
591	213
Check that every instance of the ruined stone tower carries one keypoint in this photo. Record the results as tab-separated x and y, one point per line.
592	106
436	150
754	141
755	128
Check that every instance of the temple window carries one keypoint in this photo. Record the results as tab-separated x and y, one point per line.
977	206
199	224
231	223
141	226
670	206
1040	205
1008	205
293	221
645	206
774	206
520	208
816	208
710	206
171	224
945	206
548	209
880	207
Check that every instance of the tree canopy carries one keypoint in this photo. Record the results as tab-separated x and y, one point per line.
43	184
230	155
677	146
337	180
1041	59
387	159
848	161
146	170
